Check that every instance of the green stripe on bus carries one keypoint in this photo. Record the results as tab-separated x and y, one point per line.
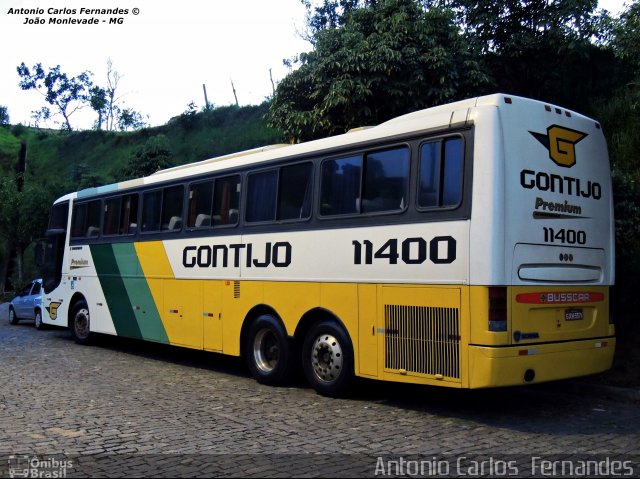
124	319
140	297
133	310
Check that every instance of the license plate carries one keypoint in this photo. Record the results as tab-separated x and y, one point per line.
573	314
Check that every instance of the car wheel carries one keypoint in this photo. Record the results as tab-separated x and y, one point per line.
13	319
38	322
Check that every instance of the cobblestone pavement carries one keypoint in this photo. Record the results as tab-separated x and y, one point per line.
126	408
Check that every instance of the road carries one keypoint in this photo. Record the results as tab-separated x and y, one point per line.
126	408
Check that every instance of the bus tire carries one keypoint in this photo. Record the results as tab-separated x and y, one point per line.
13	319
80	323
269	351
327	359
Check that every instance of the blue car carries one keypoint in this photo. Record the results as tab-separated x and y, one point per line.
28	304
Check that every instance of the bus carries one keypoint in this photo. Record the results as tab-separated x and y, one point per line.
468	245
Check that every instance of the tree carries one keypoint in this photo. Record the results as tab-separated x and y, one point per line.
129	118
329	14
107	104
387	58
4	115
626	41
98	102
67	95
153	156
23	218
548	50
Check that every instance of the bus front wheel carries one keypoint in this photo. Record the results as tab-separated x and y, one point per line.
327	359
80	323
269	351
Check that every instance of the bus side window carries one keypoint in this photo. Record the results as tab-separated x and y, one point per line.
294	195
172	199
111	216
261	196
226	201
386	180
93	219
151	207
200	204
340	189
441	173
453	172
429	174
129	215
59	213
79	220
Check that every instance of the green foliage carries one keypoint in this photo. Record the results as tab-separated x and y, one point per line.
23	218
155	155
389	58
551	51
23	214
626	36
9	148
129	119
619	114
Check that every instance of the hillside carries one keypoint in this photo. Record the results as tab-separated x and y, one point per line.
63	161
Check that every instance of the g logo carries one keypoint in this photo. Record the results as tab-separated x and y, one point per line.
560	142
52	309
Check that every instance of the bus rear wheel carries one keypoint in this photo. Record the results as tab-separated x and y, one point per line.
269	351
80	323
327	359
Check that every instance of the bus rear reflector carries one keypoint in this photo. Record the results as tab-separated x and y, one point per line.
497	308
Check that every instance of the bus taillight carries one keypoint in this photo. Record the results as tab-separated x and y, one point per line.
498	308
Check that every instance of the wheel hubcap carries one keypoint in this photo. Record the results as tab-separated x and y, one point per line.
266	352
326	358
81	324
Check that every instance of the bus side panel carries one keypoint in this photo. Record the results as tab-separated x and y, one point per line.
426	253
487	228
368	330
423	333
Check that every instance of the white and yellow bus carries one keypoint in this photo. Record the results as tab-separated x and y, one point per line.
469	245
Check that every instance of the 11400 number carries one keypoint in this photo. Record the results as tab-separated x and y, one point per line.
564	236
441	250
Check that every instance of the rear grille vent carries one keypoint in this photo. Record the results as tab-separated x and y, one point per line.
422	340
236	289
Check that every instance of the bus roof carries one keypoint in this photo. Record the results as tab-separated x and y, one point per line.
448	115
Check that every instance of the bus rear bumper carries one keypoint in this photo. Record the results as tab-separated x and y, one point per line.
537	363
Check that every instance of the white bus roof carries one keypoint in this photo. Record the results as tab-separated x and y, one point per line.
448	115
